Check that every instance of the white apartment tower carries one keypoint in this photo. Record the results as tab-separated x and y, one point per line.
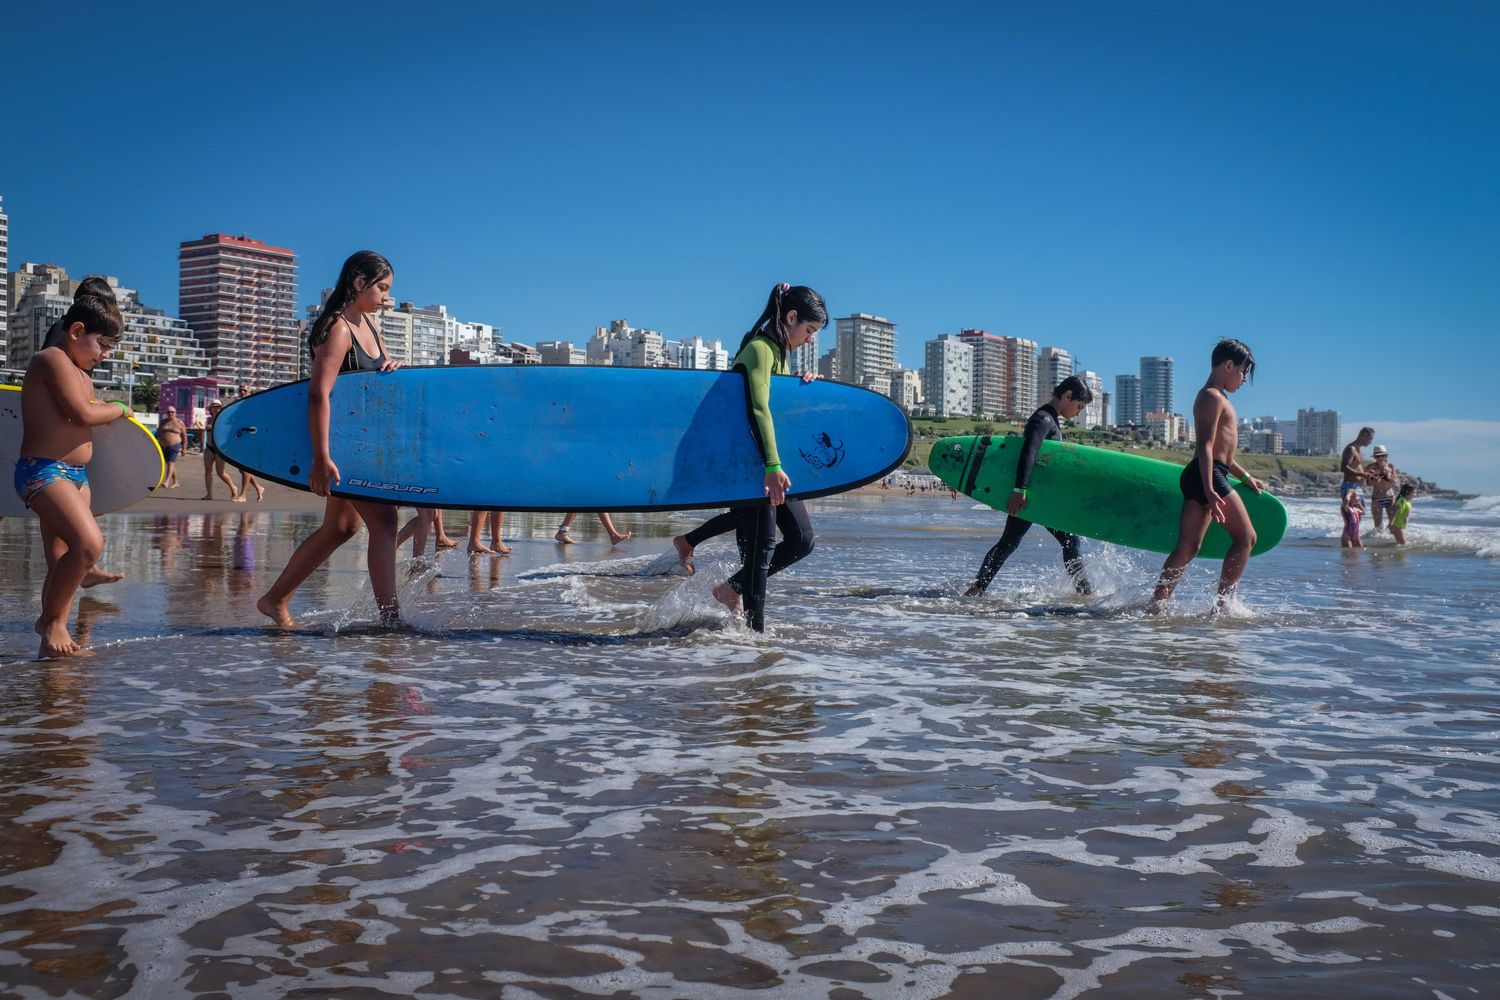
1052	366
948	377
1020	390
1093	414
991	372
239	297
39	294
866	347
1319	432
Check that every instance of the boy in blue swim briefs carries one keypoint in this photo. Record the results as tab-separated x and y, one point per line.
58	417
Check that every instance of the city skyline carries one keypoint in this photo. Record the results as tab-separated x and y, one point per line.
1118	180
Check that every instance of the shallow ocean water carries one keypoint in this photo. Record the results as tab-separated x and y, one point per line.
575	776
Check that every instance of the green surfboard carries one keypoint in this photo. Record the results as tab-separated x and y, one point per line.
1109	495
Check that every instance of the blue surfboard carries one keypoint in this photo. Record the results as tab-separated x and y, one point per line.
562	438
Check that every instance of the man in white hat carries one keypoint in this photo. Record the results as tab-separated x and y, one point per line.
1384	481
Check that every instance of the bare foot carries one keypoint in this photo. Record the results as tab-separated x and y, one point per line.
974	591
444	542
727	596
623	536
96	576
277	611
207	496
480	549
684	554
563	538
56	642
260	492
502	548
237	498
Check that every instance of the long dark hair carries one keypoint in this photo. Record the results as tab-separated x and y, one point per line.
93	285
365	264
784	299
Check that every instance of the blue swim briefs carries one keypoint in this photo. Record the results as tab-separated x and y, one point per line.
36	474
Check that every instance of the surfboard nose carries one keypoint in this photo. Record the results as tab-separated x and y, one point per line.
949	457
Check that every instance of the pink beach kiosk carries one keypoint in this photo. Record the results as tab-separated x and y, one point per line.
191	396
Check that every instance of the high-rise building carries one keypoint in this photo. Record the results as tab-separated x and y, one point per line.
4	284
804	358
828	365
1319	432
153	345
991	372
239	297
39	295
1020	390
1053	365
906	388
1156	385
866	348
705	355
949	377
561	352
1128	412
1093	414
625	346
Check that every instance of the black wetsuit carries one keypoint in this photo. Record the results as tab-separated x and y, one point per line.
1042	425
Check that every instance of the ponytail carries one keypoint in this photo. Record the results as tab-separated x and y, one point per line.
806	303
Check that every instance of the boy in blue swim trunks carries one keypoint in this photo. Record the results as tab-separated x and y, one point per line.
1206	493
58	415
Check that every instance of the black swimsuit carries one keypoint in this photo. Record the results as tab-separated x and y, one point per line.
1191	481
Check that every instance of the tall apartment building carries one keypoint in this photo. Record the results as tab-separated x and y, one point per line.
804	358
906	388
1319	432
1156	385
625	346
828	365
4	284
561	352
866	347
704	355
1053	365
1094	414
948	377
1128	412
991	375
39	295
153	345
239	297
1020	390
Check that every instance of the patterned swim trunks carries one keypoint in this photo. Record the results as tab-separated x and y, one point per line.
36	474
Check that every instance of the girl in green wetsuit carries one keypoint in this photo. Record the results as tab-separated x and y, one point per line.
791	317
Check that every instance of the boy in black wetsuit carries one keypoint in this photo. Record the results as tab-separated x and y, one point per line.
1068	400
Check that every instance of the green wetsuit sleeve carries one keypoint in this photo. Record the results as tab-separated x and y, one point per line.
759	362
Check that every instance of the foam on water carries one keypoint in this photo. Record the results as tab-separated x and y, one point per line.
583	775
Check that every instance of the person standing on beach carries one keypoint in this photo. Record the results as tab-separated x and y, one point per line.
1384	481
213	462
58	415
1352	463
496	521
343	339
171	433
246	479
793	314
1068	400
1206	493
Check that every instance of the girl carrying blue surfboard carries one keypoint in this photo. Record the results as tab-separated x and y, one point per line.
343	339
793	314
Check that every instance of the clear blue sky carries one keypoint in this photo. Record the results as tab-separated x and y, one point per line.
1318	179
